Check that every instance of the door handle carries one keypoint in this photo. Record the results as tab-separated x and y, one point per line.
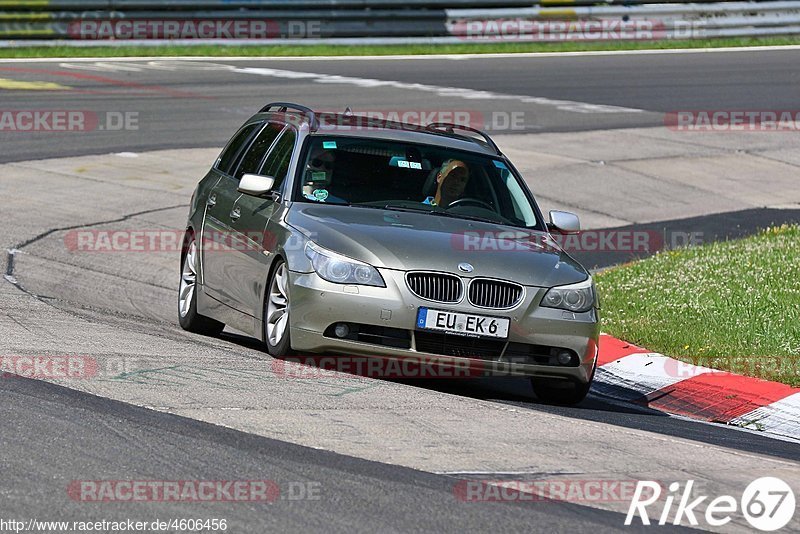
236	213
212	201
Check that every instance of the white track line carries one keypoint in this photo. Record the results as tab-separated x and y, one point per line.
449	92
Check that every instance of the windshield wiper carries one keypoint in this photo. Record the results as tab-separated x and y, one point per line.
406	208
433	211
440	213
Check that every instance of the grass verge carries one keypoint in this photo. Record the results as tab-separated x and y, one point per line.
22	51
733	306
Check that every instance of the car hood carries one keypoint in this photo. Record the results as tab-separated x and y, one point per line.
420	241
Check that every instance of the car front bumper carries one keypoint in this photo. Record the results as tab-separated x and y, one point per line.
316	304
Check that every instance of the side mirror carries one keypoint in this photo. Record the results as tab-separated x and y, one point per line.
256	185
564	222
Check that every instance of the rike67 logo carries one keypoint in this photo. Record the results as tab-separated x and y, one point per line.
768	504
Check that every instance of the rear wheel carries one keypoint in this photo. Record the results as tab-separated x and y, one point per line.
276	312
188	317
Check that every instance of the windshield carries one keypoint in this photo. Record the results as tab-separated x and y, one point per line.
410	177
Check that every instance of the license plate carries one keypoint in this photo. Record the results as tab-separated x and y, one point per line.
463	324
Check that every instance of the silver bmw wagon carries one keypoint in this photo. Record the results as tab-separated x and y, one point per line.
340	235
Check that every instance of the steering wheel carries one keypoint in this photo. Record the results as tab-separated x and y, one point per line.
471	200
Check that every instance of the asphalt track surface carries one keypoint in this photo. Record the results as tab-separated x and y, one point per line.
116	441
215	102
52	435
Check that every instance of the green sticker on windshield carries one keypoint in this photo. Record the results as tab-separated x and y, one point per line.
320	194
329	144
319	176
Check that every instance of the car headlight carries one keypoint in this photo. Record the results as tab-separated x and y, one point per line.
340	269
580	297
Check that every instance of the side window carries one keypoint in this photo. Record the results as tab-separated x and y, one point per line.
254	156
277	163
230	155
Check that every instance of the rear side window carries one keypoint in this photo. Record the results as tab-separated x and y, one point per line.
230	155
277	163
254	156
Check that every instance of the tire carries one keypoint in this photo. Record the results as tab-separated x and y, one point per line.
188	317
276	312
562	392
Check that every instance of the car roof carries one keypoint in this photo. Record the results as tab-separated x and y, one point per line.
390	131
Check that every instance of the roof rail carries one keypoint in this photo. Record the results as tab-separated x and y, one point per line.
283	107
450	128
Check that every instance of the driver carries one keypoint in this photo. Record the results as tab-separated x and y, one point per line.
451	180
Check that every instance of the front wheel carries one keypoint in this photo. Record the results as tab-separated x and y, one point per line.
276	312
563	392
188	317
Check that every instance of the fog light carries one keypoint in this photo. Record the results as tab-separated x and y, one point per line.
341	330
564	357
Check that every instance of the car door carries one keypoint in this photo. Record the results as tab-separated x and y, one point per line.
220	241
252	226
